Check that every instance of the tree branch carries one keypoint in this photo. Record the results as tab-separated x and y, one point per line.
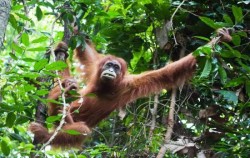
4	17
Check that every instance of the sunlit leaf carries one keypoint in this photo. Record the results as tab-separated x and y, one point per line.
39	49
72	132
25	39
39	65
40	39
42	92
52	119
28	87
17	48
31	75
28	60
5	148
58	65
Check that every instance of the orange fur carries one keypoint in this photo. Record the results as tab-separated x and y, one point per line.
124	89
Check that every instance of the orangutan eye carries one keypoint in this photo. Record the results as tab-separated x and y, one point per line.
116	67
109	64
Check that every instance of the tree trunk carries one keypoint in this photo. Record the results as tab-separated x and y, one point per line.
4	16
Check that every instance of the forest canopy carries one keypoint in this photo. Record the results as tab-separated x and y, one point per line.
208	116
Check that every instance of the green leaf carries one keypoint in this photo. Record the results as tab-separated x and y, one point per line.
136	58
231	52
72	132
16	137
17	48
52	101
5	148
236	40
31	75
203	50
39	49
22	16
52	119
248	87
13	56
25	39
10	119
202	38
16	7
42	92
237	12
58	65
40	39
13	21
28	60
91	95
28	87
39	13
209	22
227	19
39	65
242	33
223	75
235	82
230	96
207	69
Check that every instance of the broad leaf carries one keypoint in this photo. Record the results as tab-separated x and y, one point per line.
237	11
13	21
72	132
11	118
236	40
209	22
40	39
207	69
39	13
58	65
25	39
39	65
17	48
5	148
223	75
13	56
227	19
39	49
52	119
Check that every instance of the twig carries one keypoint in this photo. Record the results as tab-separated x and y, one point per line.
65	105
171	20
154	115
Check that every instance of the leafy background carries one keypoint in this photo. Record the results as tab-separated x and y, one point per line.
126	28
